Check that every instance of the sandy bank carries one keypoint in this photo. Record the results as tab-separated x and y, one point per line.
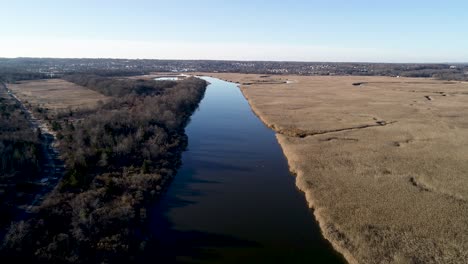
384	167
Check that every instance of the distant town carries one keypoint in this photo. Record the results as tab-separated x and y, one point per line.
33	68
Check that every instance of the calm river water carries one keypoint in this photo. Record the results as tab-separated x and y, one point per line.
233	199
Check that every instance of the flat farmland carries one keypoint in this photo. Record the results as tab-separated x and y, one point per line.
56	94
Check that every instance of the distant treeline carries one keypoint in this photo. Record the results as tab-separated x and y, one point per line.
118	158
13	75
121	67
120	87
20	155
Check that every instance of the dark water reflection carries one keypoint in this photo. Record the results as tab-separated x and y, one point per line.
233	200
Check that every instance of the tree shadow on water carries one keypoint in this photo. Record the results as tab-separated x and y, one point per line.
177	246
167	244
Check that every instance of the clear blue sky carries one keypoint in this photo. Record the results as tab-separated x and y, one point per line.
406	31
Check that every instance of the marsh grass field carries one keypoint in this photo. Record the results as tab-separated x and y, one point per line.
382	160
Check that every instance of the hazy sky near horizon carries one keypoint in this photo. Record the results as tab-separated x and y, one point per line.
299	30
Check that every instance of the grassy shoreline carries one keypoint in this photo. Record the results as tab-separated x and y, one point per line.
301	182
411	212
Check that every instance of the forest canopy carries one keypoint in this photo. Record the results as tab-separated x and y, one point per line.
20	156
118	157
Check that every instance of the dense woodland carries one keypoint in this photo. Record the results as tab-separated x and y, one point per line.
20	156
118	158
120	87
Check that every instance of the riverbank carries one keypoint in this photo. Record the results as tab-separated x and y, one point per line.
233	198
382	163
119	156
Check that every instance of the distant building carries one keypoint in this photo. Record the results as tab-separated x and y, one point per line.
453	67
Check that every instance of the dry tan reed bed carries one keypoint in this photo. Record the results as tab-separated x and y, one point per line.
384	164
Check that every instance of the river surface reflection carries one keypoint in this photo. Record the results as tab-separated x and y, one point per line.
233	200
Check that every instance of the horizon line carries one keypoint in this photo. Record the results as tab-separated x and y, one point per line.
226	60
